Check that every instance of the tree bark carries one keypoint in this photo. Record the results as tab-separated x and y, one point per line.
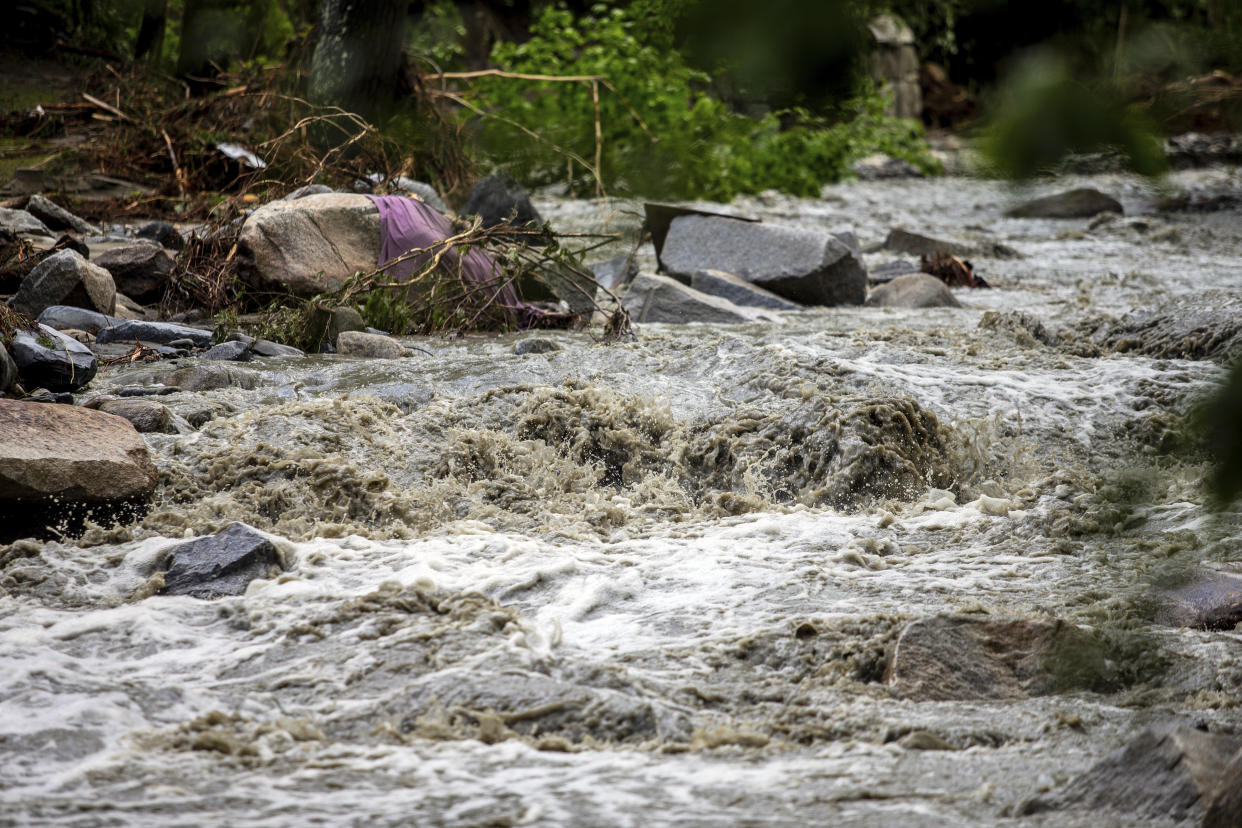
151	32
358	56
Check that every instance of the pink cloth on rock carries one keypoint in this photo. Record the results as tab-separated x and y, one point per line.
408	224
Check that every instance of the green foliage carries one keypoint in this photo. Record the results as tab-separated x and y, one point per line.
439	34
662	133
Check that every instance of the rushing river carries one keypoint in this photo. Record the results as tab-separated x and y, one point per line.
657	582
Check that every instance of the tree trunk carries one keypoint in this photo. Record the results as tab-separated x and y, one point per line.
358	57
151	33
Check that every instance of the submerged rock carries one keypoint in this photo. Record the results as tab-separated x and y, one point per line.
654	298
1081	203
914	290
1164	773
52	360
146	416
140	271
1207	326
804	266
220	565
535	345
959	658
71	453
1212	601
499	199
738	291
210	376
370	346
310	245
161	333
65	278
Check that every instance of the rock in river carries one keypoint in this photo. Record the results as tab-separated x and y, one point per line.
914	290
72	453
146	416
654	298
63	317
1163	774
1212	601
1081	203
804	266
161	333
370	346
52	360
220	565
739	291
65	278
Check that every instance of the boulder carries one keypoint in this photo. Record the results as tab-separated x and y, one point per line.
20	221
327	324
267	348
220	565
310	245
161	333
308	190
65	317
914	290
146	416
210	376
654	298
8	370
65	278
1212	601
70	453
140	271
370	346
967	658
52	360
1081	203
58	218
915	244
535	345
422	191
889	271
738	291
1163	774
163	233
615	273
498	199
804	266
878	166
1224	808
229	352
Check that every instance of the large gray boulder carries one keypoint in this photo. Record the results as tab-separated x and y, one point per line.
146	416
65	278
309	245
804	266
20	221
370	346
739	291
140	271
654	298
220	565
1081	203
1163	774
161	333
967	658
210	376
57	217
71	453
50	359
914	290
65	317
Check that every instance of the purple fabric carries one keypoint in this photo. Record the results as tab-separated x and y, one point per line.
408	224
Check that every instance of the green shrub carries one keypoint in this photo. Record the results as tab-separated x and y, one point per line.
687	144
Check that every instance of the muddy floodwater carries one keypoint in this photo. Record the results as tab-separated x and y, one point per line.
659	582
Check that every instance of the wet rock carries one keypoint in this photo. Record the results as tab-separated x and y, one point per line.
878	167
65	278
8	370
804	266
1224	809
615	273
498	199
738	291
535	345
889	271
161	333
140	271
1207	326
220	565
64	317
327	324
961	658
1164	773
52	360
72	453
1081	203
915	244
1213	601
914	290
42	395
229	352
146	416
310	245
654	298
58	218
20	221
210	376
267	348
127	308
370	346
1026	329
162	233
